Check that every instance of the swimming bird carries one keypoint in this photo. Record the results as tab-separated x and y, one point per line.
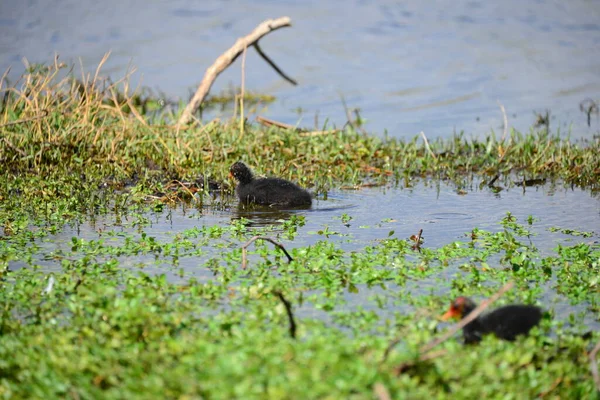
267	191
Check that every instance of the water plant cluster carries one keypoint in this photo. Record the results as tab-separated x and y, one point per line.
96	304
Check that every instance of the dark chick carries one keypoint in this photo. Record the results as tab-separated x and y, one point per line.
267	191
505	322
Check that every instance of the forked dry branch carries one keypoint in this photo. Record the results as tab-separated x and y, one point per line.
228	57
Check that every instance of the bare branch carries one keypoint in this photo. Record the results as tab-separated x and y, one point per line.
301	132
242	122
14	148
273	65
249	242
226	59
270	122
41	115
288	310
494	179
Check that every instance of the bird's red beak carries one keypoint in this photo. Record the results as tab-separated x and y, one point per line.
451	313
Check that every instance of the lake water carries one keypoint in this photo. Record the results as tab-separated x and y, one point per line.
444	215
409	66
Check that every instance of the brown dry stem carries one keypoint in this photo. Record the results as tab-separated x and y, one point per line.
301	132
226	59
288	310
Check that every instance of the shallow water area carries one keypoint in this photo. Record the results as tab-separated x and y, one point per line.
444	214
352	220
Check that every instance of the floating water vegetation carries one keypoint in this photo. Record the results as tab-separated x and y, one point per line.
113	313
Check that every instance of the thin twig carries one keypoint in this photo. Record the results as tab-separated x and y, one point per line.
249	242
14	148
273	65
242	92
494	179
427	145
302	133
587	106
184	187
43	114
288	310
270	122
381	392
594	365
225	60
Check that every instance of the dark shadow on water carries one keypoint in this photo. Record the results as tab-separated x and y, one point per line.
272	215
264	215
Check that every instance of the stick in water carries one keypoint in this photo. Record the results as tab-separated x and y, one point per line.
249	242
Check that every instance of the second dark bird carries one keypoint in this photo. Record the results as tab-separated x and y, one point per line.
505	322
